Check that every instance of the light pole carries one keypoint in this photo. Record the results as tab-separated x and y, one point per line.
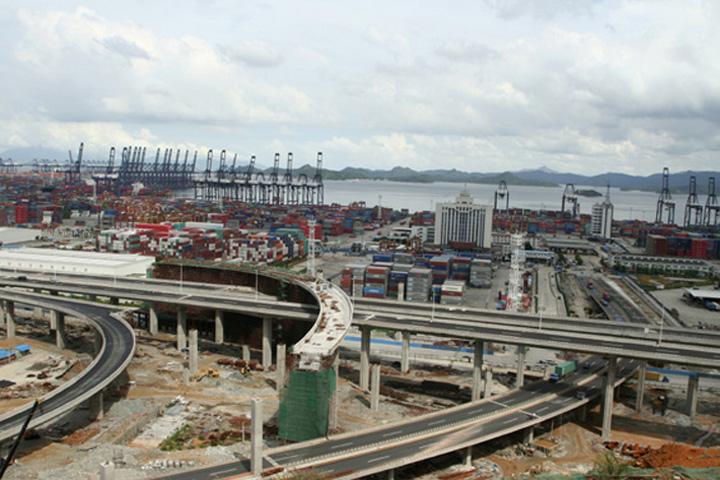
662	322
432	312
256	283
181	278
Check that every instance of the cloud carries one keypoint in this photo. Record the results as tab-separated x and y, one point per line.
252	53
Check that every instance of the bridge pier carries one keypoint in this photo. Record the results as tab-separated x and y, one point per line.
219	326
375	390
153	319
405	353
60	340
10	318
529	434
640	398
391	474
477	369
246	353
193	352
256	450
468	456
267	342
2	313
114	301
181	328
520	375
692	394
280	370
488	383
107	471
97	409
365	357
608	397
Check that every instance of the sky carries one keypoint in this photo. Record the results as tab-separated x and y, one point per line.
584	86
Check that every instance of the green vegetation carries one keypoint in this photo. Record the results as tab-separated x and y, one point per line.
609	467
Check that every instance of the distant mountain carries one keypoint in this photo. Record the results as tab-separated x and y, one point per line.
26	155
678	182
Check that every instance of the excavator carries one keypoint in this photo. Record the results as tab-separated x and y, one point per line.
208	372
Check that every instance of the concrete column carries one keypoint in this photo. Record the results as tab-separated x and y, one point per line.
92	297
405	353
181	328
468	456
477	369
391	474
583	412
256	450
246	353
640	398
97	409
365	357
280	370
107	471
692	395
53	319
193	352
219	326
529	434
114	301
60	340
608	397
38	313
2	313
153	319
10	318
267	342
488	383
520	376
375	389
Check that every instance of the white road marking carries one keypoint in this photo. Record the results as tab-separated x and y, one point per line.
342	445
378	459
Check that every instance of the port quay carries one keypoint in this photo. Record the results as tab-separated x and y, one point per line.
273	324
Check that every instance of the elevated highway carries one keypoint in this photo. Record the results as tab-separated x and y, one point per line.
116	349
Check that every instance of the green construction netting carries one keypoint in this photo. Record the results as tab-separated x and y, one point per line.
305	405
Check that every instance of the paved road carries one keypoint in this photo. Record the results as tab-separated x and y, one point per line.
399	444
115	354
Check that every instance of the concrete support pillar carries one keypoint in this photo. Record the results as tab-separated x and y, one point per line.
246	353
193	352
60	340
38	313
92	297
375	389
107	471
153	319
2	313
267	342
53	319
219	326
608	397
391	474
405	353
529	435
583	412
181	328
365	357
640	398
114	301
468	456
477	369
280	370
256	443
97	409
692	395
10	318
488	383
520	376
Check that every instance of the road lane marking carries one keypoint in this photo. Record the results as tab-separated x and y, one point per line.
389	434
509	420
342	445
378	459
437	422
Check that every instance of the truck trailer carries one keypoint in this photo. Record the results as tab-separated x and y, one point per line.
563	370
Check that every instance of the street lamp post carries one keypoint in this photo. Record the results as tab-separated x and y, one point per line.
662	322
181	278
256	283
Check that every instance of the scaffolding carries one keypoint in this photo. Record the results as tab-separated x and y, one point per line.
305	405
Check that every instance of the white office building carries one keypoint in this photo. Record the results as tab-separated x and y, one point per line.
463	222
602	217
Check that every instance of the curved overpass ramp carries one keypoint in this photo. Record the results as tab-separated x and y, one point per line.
116	351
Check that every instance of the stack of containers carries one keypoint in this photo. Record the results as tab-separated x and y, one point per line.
376	280
403	258
440	267
346	280
398	276
460	268
418	284
358	278
452	292
481	273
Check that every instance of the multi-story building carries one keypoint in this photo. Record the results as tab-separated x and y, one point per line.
463	223
602	217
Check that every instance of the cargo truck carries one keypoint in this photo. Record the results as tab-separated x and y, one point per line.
563	370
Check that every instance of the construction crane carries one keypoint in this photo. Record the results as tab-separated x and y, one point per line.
693	206
665	201
712	207
502	194
570	196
